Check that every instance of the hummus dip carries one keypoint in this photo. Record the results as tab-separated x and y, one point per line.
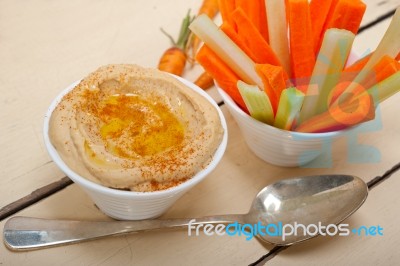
132	128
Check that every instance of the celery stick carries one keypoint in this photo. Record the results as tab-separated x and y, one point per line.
385	88
389	45
331	59
278	31
289	105
257	102
226	49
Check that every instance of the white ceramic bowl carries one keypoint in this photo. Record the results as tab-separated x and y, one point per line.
276	146
129	205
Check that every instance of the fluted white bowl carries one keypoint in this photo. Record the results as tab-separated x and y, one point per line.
276	146
129	205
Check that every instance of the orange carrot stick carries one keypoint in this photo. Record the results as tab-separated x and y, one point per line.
253	39
204	81
173	59
341	116
209	7
226	8
319	10
347	15
386	67
254	10
274	81
230	31
358	65
301	39
226	78
263	28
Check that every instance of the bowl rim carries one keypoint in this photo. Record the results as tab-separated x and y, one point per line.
218	154
305	135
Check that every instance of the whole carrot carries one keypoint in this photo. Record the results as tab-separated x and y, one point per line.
173	59
204	81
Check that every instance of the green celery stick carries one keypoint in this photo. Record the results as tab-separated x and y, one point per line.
331	59
385	88
257	102
290	103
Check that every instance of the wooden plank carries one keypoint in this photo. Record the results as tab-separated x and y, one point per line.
377	8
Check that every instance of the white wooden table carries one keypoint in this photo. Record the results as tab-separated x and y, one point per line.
47	45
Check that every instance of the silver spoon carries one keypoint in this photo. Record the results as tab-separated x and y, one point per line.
312	200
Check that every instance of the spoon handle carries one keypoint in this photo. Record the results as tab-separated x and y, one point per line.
25	233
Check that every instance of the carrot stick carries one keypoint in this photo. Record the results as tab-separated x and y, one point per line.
209	7
225	77
301	39
255	13
226	7
173	59
347	15
386	67
230	31
263	28
339	117
358	65
274	82
204	81
319	10
253	39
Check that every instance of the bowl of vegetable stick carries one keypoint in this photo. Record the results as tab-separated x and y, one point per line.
283	70
277	146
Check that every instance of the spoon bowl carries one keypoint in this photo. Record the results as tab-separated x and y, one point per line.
312	204
308	202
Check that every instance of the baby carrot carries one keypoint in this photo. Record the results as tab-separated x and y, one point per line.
204	81
173	59
301	39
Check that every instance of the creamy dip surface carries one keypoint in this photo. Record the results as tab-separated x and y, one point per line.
133	128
